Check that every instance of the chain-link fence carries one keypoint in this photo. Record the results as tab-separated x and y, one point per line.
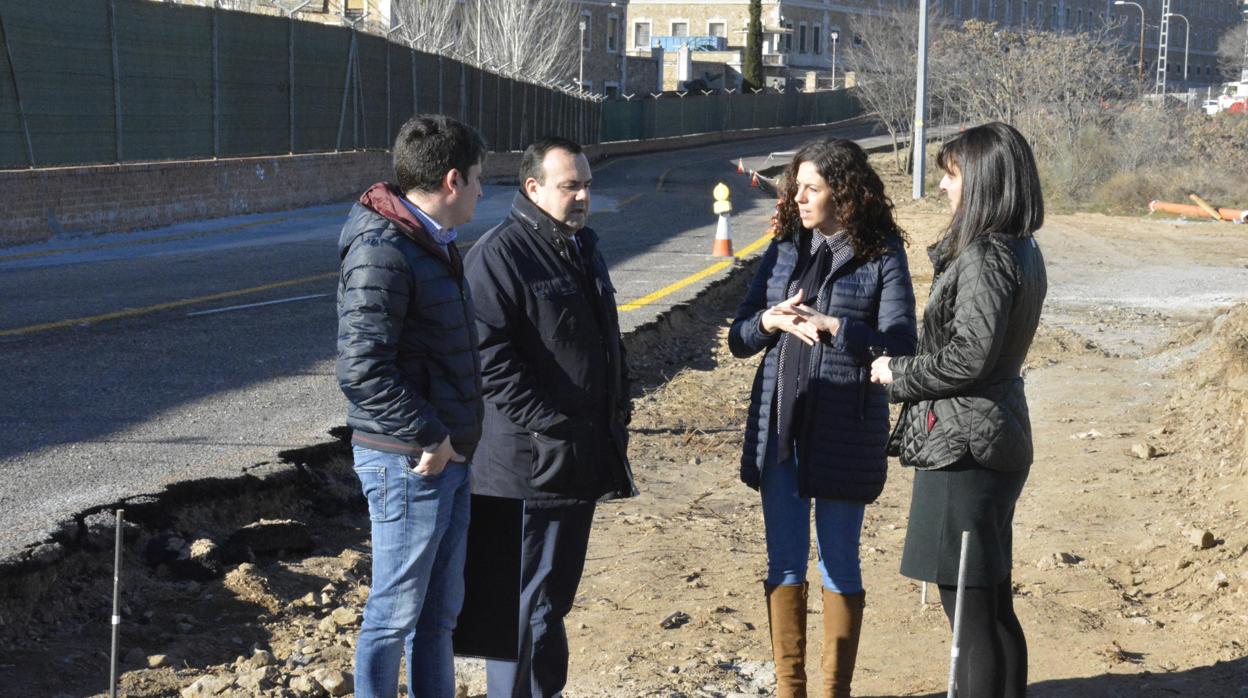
91	81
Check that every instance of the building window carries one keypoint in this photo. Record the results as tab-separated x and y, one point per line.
816	40
857	39
641	35
612	89
353	8
957	9
788	38
587	35
801	38
613	34
992	10
680	29
719	29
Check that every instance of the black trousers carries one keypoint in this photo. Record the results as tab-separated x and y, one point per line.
555	542
992	660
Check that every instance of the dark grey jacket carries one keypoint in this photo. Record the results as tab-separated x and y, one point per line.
842	433
407	345
552	363
964	390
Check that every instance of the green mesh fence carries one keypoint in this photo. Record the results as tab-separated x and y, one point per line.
672	115
194	82
63	68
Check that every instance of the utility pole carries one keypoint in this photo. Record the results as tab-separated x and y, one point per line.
918	139
1163	44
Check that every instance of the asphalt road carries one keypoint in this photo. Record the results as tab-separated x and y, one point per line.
134	361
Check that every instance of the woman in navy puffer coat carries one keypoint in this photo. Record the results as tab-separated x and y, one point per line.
832	292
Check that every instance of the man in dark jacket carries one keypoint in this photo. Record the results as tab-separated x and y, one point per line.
408	364
556	397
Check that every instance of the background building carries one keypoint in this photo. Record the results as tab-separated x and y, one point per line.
803	39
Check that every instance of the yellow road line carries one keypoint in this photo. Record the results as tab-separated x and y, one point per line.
626	201
695	277
135	312
147	310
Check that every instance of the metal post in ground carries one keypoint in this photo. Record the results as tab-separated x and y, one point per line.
957	616
116	617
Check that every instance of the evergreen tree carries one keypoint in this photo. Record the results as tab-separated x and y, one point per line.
752	70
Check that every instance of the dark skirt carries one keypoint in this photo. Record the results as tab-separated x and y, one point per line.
962	497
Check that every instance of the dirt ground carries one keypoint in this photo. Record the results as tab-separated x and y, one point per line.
1118	587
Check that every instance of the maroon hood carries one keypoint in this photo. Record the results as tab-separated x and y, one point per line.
386	200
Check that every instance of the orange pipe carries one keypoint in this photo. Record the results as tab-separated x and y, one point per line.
1228	214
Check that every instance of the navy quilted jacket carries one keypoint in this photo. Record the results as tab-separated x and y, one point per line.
842	433
407	342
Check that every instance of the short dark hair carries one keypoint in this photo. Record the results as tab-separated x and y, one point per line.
531	161
430	145
862	208
1000	185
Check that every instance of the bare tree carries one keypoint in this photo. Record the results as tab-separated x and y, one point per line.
435	26
1233	53
539	40
884	64
536	40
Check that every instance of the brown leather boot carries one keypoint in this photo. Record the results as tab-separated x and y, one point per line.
842	625
786	613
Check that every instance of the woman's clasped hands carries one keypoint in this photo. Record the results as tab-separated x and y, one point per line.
801	321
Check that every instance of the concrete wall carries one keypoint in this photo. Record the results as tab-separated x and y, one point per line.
42	204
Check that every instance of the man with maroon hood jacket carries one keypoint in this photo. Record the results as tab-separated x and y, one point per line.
408	365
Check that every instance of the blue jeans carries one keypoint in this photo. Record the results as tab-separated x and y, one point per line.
786	519
420	536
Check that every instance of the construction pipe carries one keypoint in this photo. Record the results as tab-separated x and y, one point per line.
1234	215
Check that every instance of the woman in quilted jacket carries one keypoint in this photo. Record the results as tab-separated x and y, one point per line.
832	290
964	423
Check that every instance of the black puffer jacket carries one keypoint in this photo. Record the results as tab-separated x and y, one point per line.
552	365
407	344
964	390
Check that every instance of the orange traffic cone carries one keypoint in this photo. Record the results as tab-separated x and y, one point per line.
723	237
740	166
753	179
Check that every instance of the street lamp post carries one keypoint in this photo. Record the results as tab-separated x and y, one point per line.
580	78
1141	9
1187	38
834	35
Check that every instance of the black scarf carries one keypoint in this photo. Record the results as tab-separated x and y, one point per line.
827	254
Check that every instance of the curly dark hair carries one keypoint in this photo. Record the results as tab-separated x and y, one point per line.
863	210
